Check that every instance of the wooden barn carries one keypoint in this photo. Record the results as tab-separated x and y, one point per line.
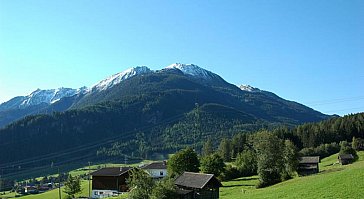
198	186
108	182
308	165
345	159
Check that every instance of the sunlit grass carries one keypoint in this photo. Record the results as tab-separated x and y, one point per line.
333	181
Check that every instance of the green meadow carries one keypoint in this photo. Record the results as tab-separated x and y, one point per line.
333	181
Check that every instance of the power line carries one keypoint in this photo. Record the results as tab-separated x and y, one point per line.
334	101
361	109
89	145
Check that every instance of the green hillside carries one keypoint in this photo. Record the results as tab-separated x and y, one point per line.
152	104
333	181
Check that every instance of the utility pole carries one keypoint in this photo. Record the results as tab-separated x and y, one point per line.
89	178
59	184
1	180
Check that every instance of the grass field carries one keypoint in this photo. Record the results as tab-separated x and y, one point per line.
333	181
53	194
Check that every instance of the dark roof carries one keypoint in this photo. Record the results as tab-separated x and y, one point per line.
112	171
309	160
196	180
346	156
156	165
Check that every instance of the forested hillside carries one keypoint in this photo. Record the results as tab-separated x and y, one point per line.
327	131
155	112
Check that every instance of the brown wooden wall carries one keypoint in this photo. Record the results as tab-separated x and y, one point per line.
110	182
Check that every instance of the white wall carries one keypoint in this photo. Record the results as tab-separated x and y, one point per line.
156	173
103	193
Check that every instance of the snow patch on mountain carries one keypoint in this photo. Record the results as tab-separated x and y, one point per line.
39	96
119	77
49	96
191	69
249	88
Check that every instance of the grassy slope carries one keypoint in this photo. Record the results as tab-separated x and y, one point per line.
53	193
333	181
76	172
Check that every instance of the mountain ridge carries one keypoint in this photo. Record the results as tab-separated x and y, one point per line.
21	106
159	107
62	99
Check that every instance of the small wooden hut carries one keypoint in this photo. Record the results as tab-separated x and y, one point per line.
198	186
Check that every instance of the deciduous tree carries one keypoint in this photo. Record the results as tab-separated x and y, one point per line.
184	160
269	158
213	164
164	189
140	184
246	162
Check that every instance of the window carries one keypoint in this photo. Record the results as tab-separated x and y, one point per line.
161	173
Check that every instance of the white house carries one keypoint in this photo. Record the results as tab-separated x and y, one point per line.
156	169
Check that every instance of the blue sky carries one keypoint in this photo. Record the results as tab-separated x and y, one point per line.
307	51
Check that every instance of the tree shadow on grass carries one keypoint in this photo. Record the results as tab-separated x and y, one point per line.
245	179
239	185
331	170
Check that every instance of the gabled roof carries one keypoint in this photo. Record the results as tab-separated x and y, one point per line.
196	180
309	160
156	165
111	171
346	156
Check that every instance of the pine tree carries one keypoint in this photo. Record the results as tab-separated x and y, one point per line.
72	186
290	157
237	144
225	149
207	148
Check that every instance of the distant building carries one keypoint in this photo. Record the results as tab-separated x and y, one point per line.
108	182
308	165
30	190
156	169
197	186
345	158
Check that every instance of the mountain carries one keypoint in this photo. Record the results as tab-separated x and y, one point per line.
61	99
141	110
119	77
193	70
40	96
39	101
